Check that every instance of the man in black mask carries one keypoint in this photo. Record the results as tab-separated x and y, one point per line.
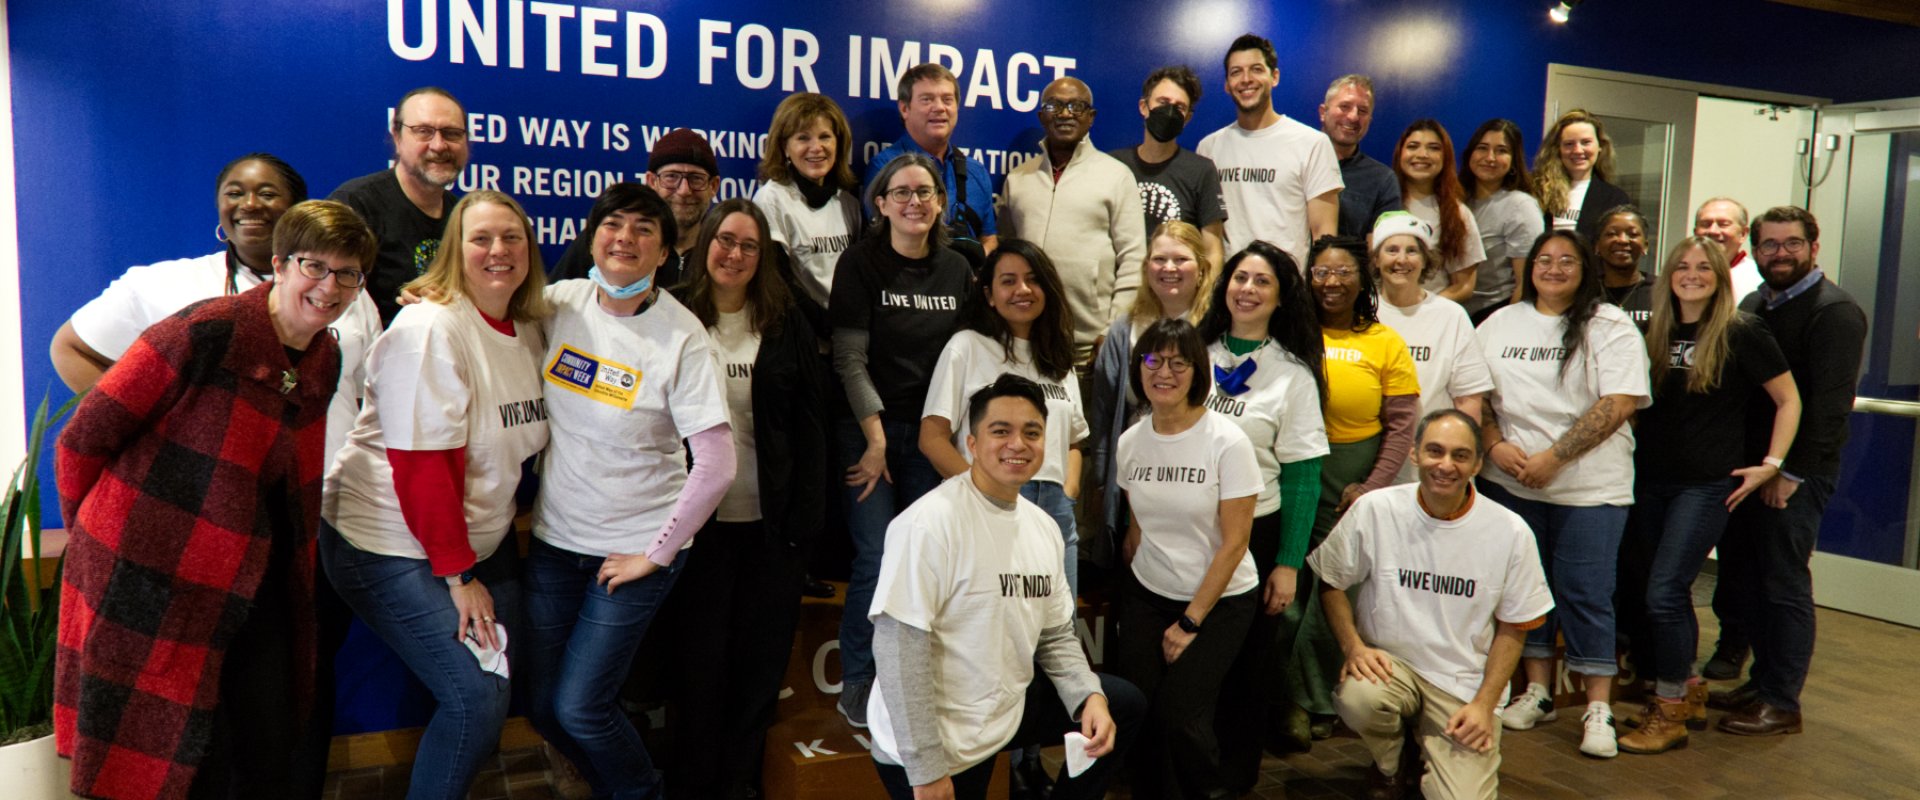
1175	183
1372	189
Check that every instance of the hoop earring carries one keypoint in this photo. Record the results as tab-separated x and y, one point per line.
219	233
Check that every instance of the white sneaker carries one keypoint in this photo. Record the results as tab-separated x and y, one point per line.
1533	706
1598	739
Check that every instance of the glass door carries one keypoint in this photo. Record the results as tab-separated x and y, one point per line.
1652	131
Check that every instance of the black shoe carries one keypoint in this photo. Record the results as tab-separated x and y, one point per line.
815	587
1725	664
1739	699
1029	780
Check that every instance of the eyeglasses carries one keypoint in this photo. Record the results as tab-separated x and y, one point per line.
318	270
1069	108
1795	246
730	242
1563	264
425	133
1323	273
696	181
1155	361
903	194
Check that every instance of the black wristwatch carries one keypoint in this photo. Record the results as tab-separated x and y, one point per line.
462	579
1187	624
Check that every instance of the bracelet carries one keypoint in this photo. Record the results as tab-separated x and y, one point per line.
1774	461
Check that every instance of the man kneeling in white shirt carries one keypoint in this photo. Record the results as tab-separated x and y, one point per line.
972	594
1447	584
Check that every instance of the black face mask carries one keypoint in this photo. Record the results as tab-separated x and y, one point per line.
1164	123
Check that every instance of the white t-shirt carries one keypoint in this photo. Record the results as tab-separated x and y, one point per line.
814	237
355	331
1267	176
624	393
983	582
441	378
1174	485
1431	590
971	361
1428	210
145	295
1576	196
737	345
1446	355
1279	413
1536	405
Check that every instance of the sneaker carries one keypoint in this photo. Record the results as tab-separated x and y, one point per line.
1598	738
853	703
1531	707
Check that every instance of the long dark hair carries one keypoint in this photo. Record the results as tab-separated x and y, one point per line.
1051	338
1446	189
1517	178
1366	307
1294	325
1587	297
296	194
768	298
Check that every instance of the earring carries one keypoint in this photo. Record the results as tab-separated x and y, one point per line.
219	233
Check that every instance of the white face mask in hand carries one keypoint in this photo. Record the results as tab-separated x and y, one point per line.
492	660
1077	759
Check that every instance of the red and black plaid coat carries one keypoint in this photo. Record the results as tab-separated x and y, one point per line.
172	474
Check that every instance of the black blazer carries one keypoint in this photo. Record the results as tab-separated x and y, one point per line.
1601	198
789	432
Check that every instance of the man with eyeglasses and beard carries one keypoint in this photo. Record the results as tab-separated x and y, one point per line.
406	206
682	169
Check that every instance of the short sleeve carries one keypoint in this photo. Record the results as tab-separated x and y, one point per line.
697	399
777	219
1213	199
1476	250
109	323
1077	428
1525	596
1340	561
1471	372
912	587
1397	374
1122	460
944	389
1619	355
1322	168
1302	430
1239	468
1524	223
419	388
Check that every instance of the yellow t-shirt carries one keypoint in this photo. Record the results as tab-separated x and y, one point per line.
1362	368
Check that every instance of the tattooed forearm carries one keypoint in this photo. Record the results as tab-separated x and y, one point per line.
1593	427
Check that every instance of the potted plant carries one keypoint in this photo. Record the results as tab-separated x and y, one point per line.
29	614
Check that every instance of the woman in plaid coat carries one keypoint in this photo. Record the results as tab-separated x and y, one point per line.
190	482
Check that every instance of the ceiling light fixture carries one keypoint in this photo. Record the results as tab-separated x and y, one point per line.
1563	11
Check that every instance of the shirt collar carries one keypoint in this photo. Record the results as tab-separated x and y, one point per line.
1771	298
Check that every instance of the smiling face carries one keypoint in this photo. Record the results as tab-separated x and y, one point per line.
628	247
930	112
1015	293
1421	156
1009	443
911	216
734	254
1622	242
1172	272
1719	220
1556	271
1579	148
253	195
1447	459
1336	281
1250	81
1346	116
436	161
1400	262
1785	254
1164	380
675	183
811	149
1492	159
1693	279
495	254
1253	293
303	305
1062	127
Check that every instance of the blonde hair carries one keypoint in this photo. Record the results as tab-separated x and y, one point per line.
1711	334
446	278
1550	179
795	114
1146	304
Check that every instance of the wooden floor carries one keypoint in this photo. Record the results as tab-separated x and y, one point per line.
1861	741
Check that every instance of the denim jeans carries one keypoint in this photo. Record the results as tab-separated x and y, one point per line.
412	611
1579	550
1765	558
1678	523
1052	498
580	642
913	476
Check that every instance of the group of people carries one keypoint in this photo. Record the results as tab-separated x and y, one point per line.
1338	440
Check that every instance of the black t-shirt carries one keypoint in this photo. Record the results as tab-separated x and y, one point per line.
1695	438
1185	187
409	238
909	308
1636	300
578	258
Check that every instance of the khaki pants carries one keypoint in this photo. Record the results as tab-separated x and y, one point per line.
1380	712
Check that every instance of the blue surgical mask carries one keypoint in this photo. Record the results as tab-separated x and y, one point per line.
620	292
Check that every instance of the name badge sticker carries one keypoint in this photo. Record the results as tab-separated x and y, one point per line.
601	380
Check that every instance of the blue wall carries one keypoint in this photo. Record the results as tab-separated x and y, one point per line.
124	112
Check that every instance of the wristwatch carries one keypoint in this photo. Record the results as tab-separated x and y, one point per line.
465	577
1187	624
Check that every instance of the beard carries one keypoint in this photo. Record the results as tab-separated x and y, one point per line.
439	173
1780	282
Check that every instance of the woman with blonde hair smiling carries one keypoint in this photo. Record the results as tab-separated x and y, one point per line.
1570	175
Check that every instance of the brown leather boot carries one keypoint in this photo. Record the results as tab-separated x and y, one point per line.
1697	706
1639	716
1665	730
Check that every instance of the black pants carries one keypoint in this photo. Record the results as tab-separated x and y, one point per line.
1257	680
1043	722
259	746
1764	558
740	594
1180	754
